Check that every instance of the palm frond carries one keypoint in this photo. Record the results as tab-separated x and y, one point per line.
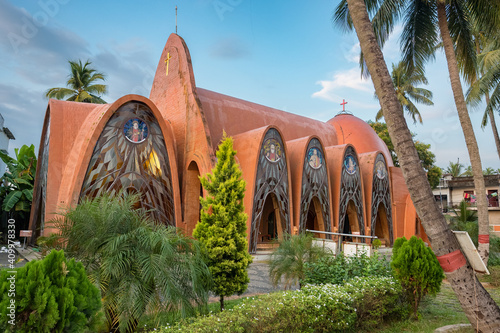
420	34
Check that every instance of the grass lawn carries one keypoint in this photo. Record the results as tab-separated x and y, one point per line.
439	311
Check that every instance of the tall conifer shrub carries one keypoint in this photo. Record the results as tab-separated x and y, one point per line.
222	226
417	269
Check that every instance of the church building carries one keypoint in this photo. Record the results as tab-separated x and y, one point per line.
300	173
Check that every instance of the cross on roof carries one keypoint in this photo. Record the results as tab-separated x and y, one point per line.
343	104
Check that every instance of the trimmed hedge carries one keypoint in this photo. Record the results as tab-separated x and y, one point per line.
362	302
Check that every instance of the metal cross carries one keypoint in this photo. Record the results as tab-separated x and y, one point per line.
167	61
343	102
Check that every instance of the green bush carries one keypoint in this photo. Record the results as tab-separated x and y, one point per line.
376	243
324	308
339	269
140	267
51	295
289	260
417	269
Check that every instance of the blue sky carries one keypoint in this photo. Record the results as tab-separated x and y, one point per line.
283	54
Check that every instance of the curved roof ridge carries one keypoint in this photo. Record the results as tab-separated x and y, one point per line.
235	116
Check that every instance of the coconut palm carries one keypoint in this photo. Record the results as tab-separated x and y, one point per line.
81	85
489	67
288	260
405	84
426	23
140	267
485	314
489	171
467	172
454	169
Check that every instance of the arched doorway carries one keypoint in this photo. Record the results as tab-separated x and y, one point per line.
314	218
351	222
192	197
270	223
382	226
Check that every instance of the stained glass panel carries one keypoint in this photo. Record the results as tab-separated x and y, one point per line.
271	178
350	189
131	155
314	184
381	195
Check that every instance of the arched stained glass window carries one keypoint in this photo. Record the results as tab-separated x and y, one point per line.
131	155
271	178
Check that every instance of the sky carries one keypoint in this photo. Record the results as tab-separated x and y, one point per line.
283	54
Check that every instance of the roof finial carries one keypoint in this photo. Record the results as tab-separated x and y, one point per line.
176	19
343	104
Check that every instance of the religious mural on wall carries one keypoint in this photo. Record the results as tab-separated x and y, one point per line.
131	155
271	179
350	189
381	195
315	185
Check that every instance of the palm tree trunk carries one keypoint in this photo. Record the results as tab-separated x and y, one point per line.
493	125
470	138
478	305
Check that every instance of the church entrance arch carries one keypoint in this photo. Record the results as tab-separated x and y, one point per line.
192	197
271	185
382	226
270	224
351	198
315	198
381	213
314	219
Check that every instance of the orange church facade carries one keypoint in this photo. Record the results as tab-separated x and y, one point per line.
300	173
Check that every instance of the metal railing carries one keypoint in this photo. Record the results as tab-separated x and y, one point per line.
342	235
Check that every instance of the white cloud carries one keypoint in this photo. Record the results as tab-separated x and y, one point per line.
343	79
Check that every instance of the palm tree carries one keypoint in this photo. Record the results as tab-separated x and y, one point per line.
488	171
488	50
289	259
81	85
405	84
425	24
454	169
467	172
141	267
484	314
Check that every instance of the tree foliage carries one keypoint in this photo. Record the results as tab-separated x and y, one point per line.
51	295
407	91
427	157
222	226
16	191
417	268
139	266
81	85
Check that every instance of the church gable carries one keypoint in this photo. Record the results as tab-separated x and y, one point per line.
131	155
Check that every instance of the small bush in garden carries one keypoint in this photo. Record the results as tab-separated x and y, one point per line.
417	269
339	269
314	308
289	259
51	295
375	299
376	243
